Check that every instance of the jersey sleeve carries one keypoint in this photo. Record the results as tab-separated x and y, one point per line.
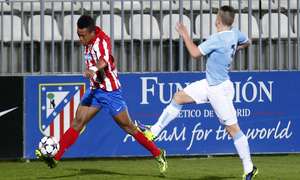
242	38
209	45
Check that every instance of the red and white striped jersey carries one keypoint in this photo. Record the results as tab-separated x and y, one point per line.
100	48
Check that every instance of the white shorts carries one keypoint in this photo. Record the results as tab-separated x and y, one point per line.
220	97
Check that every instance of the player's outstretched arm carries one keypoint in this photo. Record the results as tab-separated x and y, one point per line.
243	46
192	48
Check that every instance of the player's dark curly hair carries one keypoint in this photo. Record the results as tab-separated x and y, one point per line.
227	15
86	21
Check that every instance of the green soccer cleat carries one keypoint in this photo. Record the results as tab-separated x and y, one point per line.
250	175
162	162
50	161
146	130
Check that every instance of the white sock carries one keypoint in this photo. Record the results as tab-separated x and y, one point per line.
242	147
169	113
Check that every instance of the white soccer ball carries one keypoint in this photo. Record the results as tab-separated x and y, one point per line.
49	146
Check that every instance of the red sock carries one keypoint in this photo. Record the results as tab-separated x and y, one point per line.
147	144
67	140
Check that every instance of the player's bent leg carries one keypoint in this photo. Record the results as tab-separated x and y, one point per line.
66	141
50	161
233	130
158	153
124	121
181	98
242	147
167	116
83	115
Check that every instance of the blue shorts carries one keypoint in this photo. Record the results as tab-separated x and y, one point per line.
111	101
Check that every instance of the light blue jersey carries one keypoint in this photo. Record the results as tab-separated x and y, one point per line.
220	49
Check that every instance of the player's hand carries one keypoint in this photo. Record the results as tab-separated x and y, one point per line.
89	74
181	29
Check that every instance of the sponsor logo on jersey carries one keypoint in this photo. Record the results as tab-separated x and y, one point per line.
88	57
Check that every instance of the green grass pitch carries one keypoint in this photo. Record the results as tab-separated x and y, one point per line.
281	167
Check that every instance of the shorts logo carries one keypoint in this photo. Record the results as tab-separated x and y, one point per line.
57	106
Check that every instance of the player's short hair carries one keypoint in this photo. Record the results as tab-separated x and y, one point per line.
86	21
226	15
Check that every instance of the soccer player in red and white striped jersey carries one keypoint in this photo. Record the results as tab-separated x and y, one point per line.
99	51
105	92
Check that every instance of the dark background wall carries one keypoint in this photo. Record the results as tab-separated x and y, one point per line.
11	117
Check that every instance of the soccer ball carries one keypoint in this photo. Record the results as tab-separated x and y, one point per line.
49	146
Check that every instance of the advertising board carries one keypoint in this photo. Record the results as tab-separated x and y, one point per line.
267	105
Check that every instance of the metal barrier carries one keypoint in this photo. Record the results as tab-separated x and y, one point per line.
39	37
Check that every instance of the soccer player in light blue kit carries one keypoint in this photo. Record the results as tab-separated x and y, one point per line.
216	88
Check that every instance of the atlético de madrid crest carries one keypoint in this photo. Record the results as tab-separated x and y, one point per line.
57	106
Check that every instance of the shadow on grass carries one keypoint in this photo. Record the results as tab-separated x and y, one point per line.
216	178
87	172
